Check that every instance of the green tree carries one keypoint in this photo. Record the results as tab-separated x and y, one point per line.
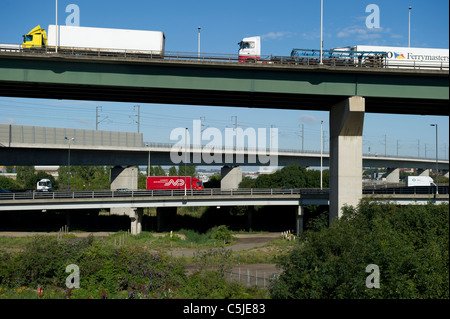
25	176
173	171
213	182
8	183
247	182
190	170
409	244
85	177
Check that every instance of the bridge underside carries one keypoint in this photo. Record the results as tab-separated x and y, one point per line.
223	84
215	98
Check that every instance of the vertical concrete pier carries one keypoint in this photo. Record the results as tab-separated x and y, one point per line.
123	177
136	220
346	128
392	175
299	220
230	177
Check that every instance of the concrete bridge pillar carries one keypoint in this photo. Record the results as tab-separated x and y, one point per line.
346	128
392	175
299	220
230	177
445	173
423	172
123	177
136	220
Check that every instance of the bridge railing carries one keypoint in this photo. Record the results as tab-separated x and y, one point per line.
257	192
158	193
418	190
293	60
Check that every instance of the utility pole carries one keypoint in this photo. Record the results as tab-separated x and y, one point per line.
437	163
235	131
97	122
302	134
418	148
138	117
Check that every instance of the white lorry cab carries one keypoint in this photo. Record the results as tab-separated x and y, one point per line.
250	49
44	185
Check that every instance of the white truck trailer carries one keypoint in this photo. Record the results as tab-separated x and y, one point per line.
86	39
404	57
419	181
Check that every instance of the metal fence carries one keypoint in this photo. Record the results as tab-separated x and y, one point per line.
250	278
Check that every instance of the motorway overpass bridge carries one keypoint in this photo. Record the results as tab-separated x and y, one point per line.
346	92
34	145
167	201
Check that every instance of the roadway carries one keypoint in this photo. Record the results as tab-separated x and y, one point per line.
346	92
106	199
215	83
34	145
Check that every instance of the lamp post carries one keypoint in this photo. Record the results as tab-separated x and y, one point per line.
409	28
185	153
148	165
199	42
437	172
321	31
57	29
68	162
321	153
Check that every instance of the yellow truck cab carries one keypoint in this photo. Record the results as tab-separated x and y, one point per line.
36	38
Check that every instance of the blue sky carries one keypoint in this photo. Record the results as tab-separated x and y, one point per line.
283	25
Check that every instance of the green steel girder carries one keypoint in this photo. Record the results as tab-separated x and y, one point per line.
222	84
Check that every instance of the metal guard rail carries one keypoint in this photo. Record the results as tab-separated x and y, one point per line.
158	193
298	57
211	192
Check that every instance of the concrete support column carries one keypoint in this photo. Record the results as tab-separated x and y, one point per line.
136	220
123	177
393	175
299	220
346	128
423	172
230	177
445	173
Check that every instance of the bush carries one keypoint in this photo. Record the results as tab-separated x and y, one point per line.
409	244
222	234
103	268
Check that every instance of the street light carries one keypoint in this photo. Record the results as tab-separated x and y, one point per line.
437	173
57	29
409	28
321	31
68	162
148	166
199	42
185	153
321	153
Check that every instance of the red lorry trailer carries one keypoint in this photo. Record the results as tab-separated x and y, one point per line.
173	182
